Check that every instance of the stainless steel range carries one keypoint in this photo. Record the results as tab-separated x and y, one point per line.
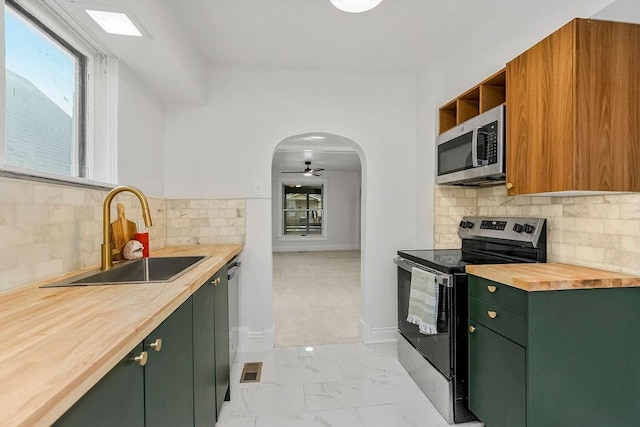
438	362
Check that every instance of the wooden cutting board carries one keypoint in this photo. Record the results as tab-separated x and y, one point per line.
122	230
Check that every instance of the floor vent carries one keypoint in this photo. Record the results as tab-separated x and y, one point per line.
251	372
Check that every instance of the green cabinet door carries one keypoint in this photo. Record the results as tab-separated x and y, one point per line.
117	400
204	373
497	378
168	374
211	370
221	314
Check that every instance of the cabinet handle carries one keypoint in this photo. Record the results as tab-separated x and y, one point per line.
492	314
156	345
509	186
491	289
216	281
142	359
472	329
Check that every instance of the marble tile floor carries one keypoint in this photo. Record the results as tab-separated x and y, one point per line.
335	385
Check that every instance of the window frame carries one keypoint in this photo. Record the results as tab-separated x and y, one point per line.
282	182
98	117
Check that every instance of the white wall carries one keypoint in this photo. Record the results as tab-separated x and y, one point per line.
220	149
341	217
499	41
140	136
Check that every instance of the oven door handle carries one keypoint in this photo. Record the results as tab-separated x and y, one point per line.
407	265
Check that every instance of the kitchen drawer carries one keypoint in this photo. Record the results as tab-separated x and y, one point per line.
503	296
499	320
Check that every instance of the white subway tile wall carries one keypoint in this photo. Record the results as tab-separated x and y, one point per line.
205	221
594	231
48	230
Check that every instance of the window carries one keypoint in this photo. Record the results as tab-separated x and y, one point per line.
60	99
302	209
45	98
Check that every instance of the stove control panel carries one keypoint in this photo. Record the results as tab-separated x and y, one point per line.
493	225
526	230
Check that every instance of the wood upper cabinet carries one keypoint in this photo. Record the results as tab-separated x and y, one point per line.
573	111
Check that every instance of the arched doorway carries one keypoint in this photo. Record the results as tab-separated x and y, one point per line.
316	240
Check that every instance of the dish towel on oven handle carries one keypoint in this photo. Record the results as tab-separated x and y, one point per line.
423	301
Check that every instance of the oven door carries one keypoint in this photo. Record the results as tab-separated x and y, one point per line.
435	348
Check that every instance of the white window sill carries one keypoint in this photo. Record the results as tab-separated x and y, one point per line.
302	238
14	172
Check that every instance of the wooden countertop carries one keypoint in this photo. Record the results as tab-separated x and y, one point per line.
56	343
552	277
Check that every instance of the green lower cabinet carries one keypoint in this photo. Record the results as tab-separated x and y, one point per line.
204	372
168	374
185	378
117	400
221	314
577	367
497	372
211	369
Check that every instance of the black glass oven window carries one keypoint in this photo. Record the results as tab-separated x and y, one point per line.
455	155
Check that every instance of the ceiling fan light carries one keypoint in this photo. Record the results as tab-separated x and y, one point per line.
308	174
355	6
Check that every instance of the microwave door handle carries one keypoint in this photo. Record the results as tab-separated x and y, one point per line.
474	148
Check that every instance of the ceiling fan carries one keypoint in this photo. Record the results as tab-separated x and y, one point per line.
308	171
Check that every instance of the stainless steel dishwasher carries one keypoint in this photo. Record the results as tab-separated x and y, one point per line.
233	271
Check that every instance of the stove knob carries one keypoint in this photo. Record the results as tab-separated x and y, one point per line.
470	224
518	228
463	224
529	228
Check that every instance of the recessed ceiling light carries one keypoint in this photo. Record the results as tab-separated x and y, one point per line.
355	6
308	348
114	22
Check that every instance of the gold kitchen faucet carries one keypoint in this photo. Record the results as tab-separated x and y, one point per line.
107	262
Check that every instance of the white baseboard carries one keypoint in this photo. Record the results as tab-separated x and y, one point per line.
250	341
310	247
370	335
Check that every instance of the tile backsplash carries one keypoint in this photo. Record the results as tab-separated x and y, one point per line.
596	231
205	221
48	229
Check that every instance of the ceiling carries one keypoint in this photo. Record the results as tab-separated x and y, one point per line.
331	152
182	38
398	36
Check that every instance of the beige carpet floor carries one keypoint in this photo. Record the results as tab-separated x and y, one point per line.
316	297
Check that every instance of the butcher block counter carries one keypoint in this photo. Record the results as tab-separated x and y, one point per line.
552	276
56	343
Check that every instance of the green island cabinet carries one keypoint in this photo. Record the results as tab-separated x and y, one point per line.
174	377
553	358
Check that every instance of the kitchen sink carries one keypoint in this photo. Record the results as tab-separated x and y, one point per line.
146	270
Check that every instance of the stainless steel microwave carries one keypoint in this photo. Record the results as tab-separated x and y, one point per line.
472	154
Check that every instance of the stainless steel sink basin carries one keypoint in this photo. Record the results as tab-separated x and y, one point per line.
147	270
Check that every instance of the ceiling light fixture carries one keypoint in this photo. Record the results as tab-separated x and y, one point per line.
114	22
355	6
